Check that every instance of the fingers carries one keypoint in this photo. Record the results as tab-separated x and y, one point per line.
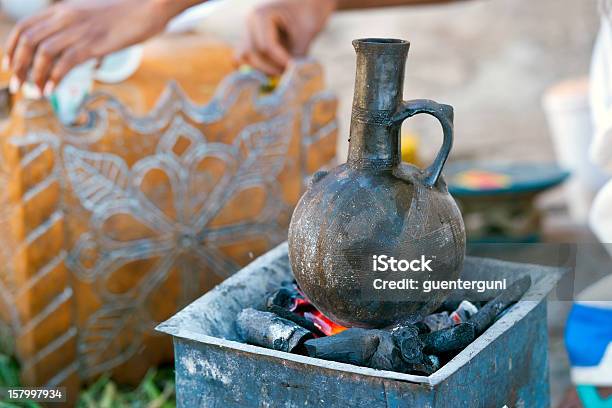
32	45
265	30
69	59
258	62
47	53
22	58
46	47
15	35
263	48
301	45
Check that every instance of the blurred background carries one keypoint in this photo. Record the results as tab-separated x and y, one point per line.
491	59
504	66
495	61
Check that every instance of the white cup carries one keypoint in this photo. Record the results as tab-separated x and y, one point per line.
569	117
74	88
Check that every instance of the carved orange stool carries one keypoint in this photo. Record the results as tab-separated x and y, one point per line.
110	227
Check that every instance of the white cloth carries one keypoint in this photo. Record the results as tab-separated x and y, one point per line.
601	96
601	147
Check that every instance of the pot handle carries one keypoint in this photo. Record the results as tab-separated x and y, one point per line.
445	114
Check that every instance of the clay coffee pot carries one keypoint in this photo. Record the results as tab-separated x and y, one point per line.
374	204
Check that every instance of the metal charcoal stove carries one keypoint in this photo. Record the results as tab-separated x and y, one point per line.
506	365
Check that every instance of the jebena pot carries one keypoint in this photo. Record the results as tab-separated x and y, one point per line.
374	204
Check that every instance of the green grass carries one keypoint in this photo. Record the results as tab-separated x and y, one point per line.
9	377
155	391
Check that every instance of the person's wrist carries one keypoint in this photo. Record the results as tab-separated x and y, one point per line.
171	8
328	6
322	8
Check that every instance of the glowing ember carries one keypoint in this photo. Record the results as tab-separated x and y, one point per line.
303	307
323	323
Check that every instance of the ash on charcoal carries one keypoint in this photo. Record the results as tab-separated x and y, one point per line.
284	298
464	312
295	318
438	321
269	330
487	314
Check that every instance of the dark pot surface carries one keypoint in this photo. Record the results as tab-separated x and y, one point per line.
351	214
375	205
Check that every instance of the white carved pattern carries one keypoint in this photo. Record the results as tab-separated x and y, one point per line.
106	187
171	234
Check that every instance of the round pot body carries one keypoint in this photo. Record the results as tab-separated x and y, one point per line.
347	217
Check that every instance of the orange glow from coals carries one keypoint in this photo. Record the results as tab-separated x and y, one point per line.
306	309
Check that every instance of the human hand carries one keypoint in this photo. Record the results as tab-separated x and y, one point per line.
45	47
282	29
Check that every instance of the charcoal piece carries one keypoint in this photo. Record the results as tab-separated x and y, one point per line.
502	314
377	349
434	362
463	313
422	327
438	321
449	305
269	330
388	355
487	314
430	365
284	297
295	318
352	346
409	343
451	339
402	351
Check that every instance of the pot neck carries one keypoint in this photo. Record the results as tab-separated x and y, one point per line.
379	83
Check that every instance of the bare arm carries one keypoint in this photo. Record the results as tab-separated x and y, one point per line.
360	4
48	45
282	29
